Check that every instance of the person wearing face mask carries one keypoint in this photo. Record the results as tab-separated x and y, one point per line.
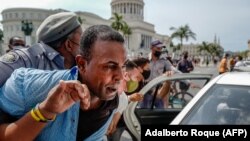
128	92
185	65
158	66
144	67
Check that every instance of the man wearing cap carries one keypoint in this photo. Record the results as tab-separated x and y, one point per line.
158	66
58	44
67	105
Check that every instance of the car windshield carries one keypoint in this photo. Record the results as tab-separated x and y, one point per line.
222	104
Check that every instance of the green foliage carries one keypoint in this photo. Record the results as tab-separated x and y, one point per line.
118	22
181	33
80	19
120	25
126	29
212	49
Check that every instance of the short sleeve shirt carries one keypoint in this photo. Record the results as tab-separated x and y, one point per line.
39	56
158	67
27	87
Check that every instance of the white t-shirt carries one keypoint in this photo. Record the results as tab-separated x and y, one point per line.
123	102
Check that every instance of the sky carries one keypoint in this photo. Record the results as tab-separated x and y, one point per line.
229	20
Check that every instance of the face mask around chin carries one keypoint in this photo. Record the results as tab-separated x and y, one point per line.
132	86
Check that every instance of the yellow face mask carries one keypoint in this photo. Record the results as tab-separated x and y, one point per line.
132	86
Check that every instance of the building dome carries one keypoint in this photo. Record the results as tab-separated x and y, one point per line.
129	9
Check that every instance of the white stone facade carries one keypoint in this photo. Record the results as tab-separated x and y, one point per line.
132	11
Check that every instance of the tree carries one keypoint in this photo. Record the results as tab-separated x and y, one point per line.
183	32
121	26
118	22
211	49
215	49
204	47
79	19
126	31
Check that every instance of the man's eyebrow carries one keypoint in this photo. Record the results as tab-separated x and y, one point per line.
112	62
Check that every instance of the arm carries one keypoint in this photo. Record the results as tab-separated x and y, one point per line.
114	122
191	66
163	92
123	103
8	63
135	97
59	99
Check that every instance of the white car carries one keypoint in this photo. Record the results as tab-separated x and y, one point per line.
224	100
247	63
136	115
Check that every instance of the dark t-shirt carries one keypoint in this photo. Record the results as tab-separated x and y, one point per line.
184	65
91	121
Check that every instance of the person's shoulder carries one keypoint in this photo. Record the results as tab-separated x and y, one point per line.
16	55
10	57
37	49
162	60
34	71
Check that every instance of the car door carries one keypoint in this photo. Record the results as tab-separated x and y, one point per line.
136	116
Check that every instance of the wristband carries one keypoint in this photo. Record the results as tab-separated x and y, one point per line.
38	116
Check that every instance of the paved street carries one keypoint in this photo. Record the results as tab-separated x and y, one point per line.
209	70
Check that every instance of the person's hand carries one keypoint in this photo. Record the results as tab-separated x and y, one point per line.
135	97
63	96
113	124
168	73
192	85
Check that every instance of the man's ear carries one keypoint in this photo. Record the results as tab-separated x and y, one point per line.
81	62
126	76
68	46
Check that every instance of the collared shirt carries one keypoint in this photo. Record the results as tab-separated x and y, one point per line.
158	67
27	87
39	56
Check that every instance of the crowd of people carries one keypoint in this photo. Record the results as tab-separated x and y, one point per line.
74	84
229	64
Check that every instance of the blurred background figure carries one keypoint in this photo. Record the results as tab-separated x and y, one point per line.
239	62
185	65
16	42
232	62
223	64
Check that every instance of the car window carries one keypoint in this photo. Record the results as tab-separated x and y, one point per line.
171	94
222	104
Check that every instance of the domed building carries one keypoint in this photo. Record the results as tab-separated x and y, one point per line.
131	10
